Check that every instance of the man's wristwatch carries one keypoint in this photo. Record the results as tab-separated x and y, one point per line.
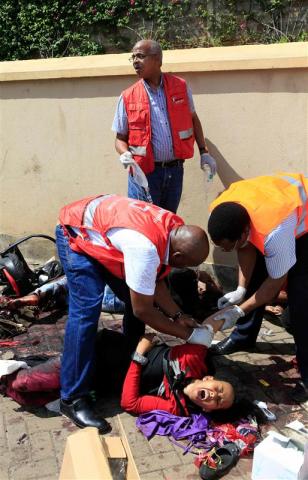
138	358
203	150
177	315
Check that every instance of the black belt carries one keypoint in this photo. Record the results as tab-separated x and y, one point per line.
173	163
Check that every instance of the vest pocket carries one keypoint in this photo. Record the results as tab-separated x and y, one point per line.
137	133
136	115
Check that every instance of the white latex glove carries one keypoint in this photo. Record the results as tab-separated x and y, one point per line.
232	298
230	316
126	159
202	336
206	159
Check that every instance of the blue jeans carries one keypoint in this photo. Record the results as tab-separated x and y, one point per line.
86	279
111	303
165	186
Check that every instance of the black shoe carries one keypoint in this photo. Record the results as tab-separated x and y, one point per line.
81	412
223	459
228	346
300	392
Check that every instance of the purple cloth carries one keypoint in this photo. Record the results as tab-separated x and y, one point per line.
193	428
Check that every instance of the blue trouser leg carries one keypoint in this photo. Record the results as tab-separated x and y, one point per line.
86	288
165	185
136	191
298	302
247	328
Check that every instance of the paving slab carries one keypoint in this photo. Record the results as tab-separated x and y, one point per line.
32	440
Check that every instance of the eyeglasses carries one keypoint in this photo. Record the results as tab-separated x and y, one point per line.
140	56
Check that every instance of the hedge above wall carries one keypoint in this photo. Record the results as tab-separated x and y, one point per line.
57	28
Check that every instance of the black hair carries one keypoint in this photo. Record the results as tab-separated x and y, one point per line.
228	221
243	406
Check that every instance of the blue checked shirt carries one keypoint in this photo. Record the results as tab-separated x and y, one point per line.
161	132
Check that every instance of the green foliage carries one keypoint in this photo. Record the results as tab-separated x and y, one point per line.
55	28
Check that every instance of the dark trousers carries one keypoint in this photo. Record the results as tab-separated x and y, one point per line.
248	327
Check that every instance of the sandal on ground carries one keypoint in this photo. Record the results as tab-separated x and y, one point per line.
219	461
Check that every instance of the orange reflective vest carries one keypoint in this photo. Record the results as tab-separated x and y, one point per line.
139	121
269	200
101	213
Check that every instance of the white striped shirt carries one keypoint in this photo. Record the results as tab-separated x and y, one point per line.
279	248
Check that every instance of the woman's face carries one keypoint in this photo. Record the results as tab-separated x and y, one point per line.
210	394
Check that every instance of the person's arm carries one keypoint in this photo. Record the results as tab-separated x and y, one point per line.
206	160
144	309
121	144
165	301
246	260
265	294
132	401
120	127
198	133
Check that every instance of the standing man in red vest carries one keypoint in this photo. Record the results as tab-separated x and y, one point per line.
265	220
130	246
156	125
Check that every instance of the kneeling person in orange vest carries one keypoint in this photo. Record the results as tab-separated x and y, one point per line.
265	220
129	245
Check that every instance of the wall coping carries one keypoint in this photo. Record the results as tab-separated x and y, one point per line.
245	57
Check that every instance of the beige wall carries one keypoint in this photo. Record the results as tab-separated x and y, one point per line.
56	143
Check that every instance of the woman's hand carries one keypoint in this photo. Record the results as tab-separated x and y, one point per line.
145	343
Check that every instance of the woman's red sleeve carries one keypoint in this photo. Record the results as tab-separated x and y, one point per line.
131	401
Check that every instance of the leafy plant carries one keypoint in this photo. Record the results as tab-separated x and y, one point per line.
41	29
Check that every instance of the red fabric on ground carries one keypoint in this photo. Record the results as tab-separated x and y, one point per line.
35	386
44	377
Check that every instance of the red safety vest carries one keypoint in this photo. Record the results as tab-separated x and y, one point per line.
269	200
101	213
139	121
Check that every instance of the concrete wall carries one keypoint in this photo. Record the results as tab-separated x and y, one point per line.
56	143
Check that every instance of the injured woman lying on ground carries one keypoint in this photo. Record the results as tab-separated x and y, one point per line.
174	379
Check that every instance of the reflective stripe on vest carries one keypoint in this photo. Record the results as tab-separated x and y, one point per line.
91	208
186	133
301	227
141	151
